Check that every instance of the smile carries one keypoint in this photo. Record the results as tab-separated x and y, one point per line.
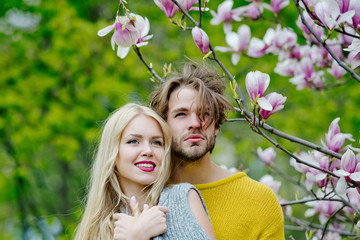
146	166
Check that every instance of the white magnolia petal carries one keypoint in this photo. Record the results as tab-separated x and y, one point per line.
142	44
341	186
235	58
113	42
341	173
122	52
106	30
232	39
355	176
320	176
223	49
264	104
310	212
148	37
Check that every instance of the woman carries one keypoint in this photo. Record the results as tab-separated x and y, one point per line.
133	159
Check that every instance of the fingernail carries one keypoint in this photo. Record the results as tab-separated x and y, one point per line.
133	199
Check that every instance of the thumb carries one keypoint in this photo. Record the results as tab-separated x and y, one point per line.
134	205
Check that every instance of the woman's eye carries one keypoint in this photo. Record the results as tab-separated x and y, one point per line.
157	143
179	114
133	141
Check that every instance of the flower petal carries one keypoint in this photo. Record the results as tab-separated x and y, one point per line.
105	30
264	104
341	186
122	52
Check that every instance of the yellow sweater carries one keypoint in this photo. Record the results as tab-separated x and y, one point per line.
243	209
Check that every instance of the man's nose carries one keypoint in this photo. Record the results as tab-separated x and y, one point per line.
195	122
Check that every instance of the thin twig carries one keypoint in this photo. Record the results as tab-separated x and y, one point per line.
137	51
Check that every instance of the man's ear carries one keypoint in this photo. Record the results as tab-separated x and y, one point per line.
216	131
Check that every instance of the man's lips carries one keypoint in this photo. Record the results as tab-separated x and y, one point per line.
146	166
194	138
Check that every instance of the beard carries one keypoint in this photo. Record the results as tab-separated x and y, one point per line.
195	151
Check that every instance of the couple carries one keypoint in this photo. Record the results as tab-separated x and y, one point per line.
137	171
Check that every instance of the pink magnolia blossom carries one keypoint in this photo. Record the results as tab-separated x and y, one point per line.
343	5
336	70
268	155
277	102
271	182
257	47
256	84
355	6
354	197
237	42
324	208
334	138
187	4
283	39
253	10
328	12
354	50
128	31
306	76
226	14
277	5
318	30
350	167
286	68
168	7
201	39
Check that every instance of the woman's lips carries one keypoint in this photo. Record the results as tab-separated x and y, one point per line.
146	166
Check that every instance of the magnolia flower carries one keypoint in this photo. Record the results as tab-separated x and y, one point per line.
350	167
253	10
201	39
268	155
237	42
328	12
226	14
336	70
286	68
168	7
129	30
334	138
324	208
277	102
270	182
257	47
277	5
187	4
282	39
318	30
256	84
355	6
354	50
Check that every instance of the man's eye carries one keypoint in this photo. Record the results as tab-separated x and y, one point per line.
157	143
180	114
133	141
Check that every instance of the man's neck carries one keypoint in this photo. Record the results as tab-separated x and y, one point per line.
197	172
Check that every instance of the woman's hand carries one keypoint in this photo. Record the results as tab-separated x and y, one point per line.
149	223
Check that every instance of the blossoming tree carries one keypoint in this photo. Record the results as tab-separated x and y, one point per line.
329	45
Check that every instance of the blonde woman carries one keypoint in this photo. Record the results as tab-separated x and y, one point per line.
132	167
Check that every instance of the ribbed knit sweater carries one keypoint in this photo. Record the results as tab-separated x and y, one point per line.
181	222
242	208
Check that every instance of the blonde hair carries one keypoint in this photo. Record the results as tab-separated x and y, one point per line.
105	195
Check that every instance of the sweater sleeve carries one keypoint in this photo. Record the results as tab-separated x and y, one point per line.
181	222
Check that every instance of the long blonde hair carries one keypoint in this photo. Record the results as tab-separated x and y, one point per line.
105	195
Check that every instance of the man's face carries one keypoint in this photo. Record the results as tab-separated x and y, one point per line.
191	137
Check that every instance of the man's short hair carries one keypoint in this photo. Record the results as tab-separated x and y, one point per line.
206	81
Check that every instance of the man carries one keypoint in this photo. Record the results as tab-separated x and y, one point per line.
194	106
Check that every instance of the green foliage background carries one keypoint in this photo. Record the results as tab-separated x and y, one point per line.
60	81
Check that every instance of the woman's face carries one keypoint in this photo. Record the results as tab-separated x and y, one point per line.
141	151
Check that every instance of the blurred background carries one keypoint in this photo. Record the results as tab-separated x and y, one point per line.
59	81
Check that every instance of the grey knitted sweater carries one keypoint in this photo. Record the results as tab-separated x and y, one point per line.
181	222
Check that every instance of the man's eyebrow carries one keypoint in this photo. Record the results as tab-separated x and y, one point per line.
181	109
